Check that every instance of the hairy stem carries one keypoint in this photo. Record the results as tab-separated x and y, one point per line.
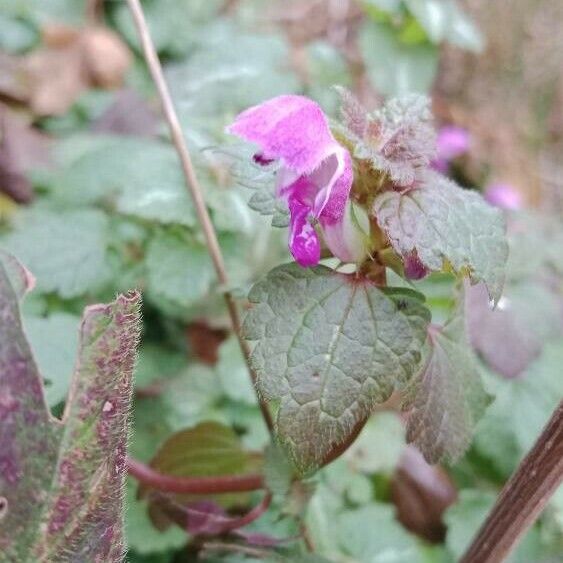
523	498
193	185
193	485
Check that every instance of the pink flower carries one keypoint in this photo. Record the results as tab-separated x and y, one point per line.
504	196
315	176
452	142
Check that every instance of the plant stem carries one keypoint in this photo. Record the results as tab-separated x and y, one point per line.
193	185
523	498
193	485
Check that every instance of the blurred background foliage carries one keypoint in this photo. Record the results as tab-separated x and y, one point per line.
93	201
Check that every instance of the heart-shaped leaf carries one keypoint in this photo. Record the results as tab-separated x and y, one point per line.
329	346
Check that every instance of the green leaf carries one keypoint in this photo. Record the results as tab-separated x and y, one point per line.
140	177
379	445
444	20
67	251
371	534
392	6
191	397
465	517
16	35
63	480
393	67
41	13
140	533
229	71
329	347
278	471
207	449
521	408
447	398
175	25
448	228
54	340
157	363
233	373
179	270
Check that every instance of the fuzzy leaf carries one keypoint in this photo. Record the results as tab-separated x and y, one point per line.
63	481
329	348
447	397
448	227
400	139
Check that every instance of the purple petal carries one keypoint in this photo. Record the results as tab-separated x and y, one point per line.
290	128
303	240
504	196
452	142
331	199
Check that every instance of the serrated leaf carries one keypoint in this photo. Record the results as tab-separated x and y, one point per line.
258	178
397	139
67	252
447	397
394	67
179	269
54	340
448	228
63	480
329	347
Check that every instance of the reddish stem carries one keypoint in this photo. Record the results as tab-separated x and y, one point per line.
194	485
250	516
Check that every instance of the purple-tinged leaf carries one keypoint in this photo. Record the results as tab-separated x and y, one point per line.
451	229
447	397
511	336
398	140
329	347
353	114
63	481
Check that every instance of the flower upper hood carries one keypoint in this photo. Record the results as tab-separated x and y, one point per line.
315	177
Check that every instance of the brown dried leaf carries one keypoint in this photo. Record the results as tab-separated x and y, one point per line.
21	148
71	61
